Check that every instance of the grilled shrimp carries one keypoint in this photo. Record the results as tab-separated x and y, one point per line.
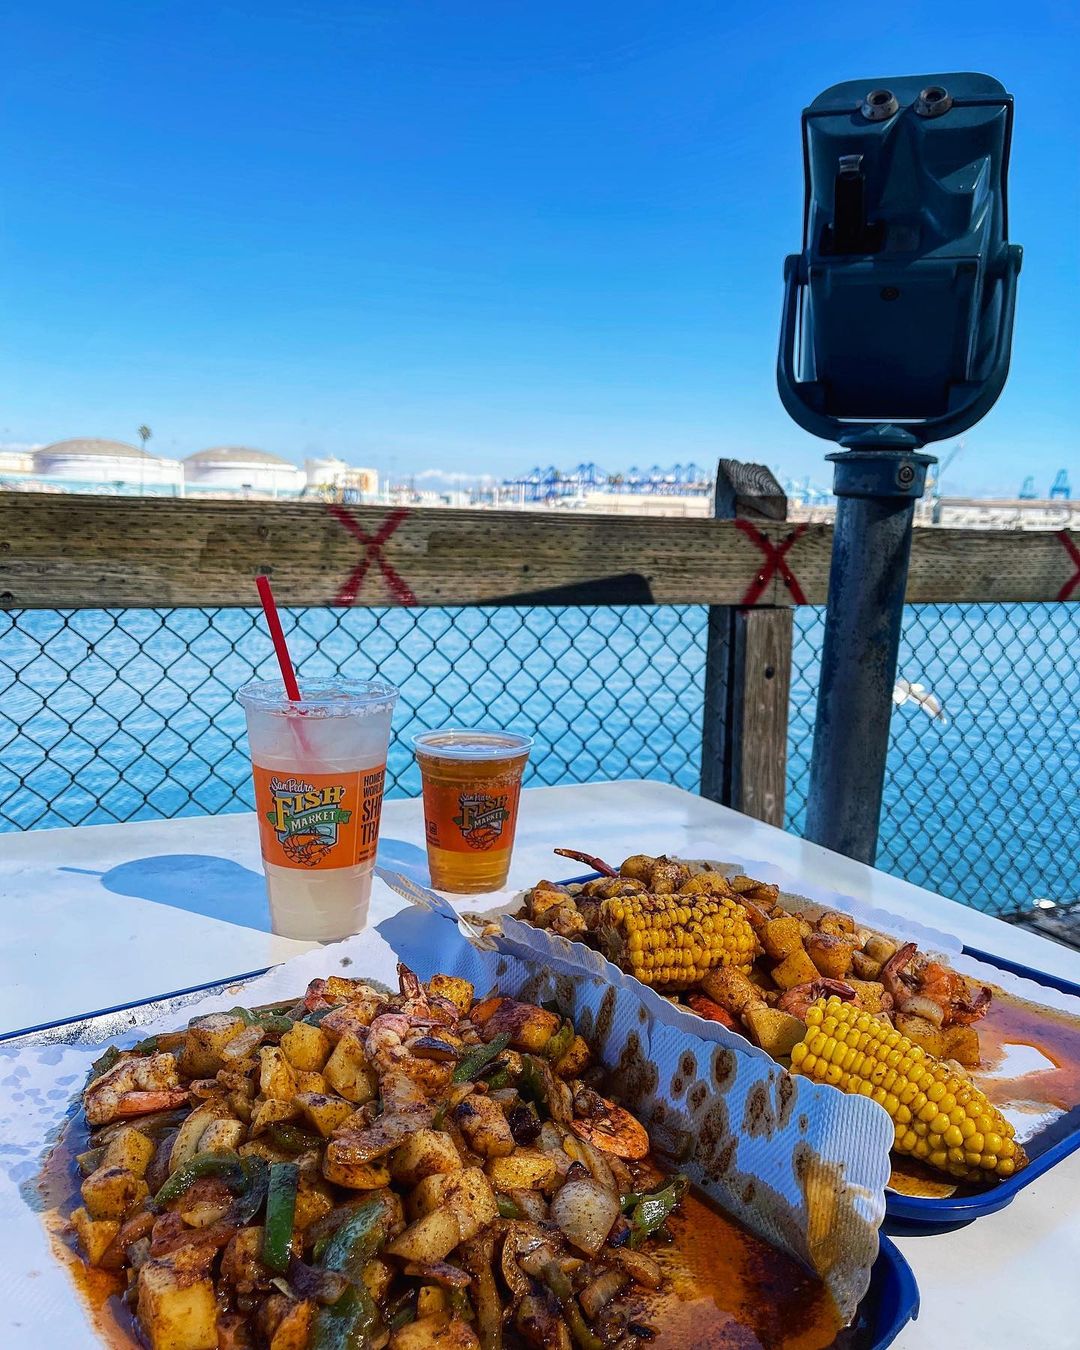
134	1087
796	1001
913	988
607	1126
388	1044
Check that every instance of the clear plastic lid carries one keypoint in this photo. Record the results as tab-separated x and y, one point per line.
336	697
472	743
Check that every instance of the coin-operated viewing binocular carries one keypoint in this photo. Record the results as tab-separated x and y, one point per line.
896	331
900	307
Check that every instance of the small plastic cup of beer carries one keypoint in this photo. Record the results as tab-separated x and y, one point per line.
472	785
319	767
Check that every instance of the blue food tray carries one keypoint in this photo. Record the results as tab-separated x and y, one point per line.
890	1303
1045	1150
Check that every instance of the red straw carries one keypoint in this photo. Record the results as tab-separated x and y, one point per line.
273	623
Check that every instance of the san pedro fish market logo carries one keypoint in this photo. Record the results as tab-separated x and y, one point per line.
306	819
482	818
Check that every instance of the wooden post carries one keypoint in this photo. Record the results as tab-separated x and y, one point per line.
747	671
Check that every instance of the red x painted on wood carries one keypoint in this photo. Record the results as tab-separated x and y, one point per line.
373	545
1074	554
774	562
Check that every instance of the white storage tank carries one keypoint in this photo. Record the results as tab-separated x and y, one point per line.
16	461
331	472
92	462
236	468
325	472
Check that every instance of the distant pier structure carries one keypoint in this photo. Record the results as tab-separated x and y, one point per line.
551	485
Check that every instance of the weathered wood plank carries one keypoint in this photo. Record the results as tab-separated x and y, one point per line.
762	694
59	551
747	670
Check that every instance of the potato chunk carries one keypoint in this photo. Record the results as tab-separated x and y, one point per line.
529	1027
467	1194
431	1238
272	1111
526	1169
431	1299
869	994
423	1153
429	1194
831	953
95	1236
358	1176
780	937
276	1078
922	1032
795	968
306	1047
775	1031
472	1199
221	1135
177	1310
439	1332
348	1073
576	1060
204	1041
325	1112
834	922
308	1080
313	1200
110	1192
459	992
484	1126
962	1044
130	1151
292	1332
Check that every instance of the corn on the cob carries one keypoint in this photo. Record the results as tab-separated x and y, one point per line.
671	941
939	1116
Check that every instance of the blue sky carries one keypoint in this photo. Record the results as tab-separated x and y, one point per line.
444	234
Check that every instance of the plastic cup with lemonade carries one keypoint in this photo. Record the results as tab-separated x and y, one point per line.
472	785
319	767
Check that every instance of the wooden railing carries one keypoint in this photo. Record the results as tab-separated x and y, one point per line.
60	552
750	565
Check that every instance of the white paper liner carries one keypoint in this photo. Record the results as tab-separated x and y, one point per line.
800	1164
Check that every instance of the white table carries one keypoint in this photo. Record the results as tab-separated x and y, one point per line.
92	921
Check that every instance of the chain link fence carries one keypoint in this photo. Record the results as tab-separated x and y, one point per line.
112	715
109	715
980	801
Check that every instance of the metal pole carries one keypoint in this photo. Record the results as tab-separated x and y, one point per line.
877	481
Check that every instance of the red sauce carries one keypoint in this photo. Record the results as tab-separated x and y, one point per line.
99	1290
1011	1021
729	1290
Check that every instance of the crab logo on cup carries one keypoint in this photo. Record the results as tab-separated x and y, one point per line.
315	820
306	819
482	819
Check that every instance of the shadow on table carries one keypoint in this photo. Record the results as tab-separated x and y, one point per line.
199	883
418	937
219	888
410	861
904	1228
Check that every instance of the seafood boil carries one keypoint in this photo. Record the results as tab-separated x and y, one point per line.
841	1004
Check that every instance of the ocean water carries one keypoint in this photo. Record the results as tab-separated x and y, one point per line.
127	715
